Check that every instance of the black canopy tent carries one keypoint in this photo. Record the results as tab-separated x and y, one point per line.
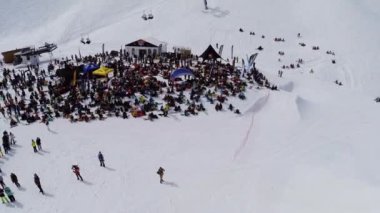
210	54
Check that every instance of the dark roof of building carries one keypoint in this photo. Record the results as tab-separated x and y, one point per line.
140	43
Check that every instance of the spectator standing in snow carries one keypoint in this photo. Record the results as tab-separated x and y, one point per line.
205	2
6	144
12	137
5	149
2	196
101	159
2	182
9	194
34	145
38	183
76	171
160	172
15	180
38	141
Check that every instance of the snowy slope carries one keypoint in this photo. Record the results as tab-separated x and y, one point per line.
311	147
347	27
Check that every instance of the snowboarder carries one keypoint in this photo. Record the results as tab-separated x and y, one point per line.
2	196
38	141
34	145
101	159
38	183
160	172
15	180
205	2
76	171
9	194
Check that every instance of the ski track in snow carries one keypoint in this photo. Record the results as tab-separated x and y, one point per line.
257	106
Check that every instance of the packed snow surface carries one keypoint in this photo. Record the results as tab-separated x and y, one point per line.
310	147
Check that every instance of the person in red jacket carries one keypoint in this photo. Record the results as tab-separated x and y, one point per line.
76	171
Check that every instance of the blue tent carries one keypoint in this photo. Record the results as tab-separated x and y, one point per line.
180	72
90	67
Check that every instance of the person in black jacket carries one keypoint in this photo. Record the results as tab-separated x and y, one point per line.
6	144
2	181
101	159
160	172
38	141
38	183
15	180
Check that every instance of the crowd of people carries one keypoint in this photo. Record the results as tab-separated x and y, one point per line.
6	194
138	88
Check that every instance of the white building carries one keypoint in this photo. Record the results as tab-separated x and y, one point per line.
20	58
145	47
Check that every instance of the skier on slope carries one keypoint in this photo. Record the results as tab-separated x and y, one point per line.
38	142
9	194
160	172
34	145
12	137
205	2
2	181
76	171
101	159
14	180
38	183
3	198
6	144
